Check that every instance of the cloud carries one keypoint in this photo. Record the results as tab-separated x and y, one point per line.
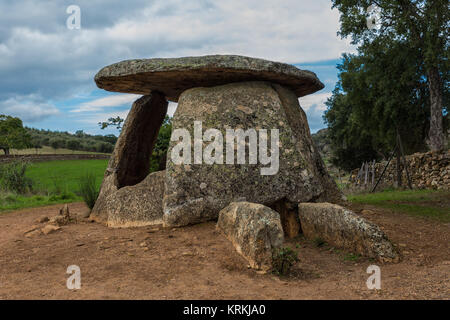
38	54
89	122
316	100
172	108
106	102
314	106
40	57
89	117
29	108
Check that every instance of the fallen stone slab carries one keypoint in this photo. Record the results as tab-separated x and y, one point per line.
172	76
254	230
342	228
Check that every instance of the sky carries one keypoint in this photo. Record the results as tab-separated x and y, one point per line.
47	69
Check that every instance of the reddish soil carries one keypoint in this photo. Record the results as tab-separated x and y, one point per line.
197	262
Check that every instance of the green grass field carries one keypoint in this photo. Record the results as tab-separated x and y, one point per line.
54	176
54	182
425	203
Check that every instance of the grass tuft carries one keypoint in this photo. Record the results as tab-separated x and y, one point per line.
283	259
88	189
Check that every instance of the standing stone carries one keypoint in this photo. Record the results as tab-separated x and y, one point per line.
255	231
344	229
197	192
129	167
289	218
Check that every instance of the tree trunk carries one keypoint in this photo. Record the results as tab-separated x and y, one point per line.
436	134
6	150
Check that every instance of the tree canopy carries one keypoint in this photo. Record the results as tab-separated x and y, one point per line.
380	91
421	27
13	134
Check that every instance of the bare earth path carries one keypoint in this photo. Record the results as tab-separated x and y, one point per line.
199	263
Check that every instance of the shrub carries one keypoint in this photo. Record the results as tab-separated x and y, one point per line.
283	259
14	179
88	189
319	242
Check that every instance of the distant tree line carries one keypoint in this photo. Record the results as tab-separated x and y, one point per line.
14	136
80	141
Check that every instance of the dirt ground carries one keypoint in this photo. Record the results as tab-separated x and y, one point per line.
197	262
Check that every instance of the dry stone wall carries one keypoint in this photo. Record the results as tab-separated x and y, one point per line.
430	170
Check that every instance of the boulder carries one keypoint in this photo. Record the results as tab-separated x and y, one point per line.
128	168
342	228
172	76
197	192
255	231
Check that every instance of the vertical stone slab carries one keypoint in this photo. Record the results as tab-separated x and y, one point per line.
196	192
131	157
130	160
289	217
297	120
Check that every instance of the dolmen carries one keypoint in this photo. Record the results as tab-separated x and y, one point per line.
238	135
